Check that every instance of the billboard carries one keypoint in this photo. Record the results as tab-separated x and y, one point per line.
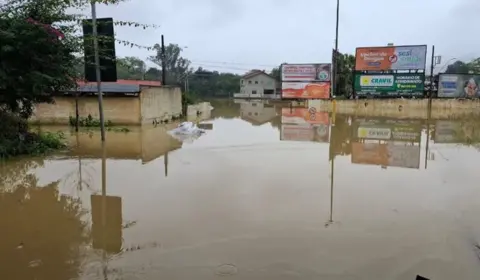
459	86
305	132
391	58
306	90
378	129
306	72
304	116
390	84
391	154
449	131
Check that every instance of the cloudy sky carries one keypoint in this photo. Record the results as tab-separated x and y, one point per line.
237	35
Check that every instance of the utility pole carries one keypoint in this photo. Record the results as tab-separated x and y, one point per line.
164	73
97	69
335	63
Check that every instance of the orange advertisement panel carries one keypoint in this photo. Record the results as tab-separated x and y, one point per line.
304	115
371	153
391	58
306	90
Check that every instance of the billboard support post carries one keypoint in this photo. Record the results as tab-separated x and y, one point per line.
335	62
431	78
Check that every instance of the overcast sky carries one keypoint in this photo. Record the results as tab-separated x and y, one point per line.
237	35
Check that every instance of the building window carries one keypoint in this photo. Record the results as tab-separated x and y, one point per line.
249	82
254	92
256	82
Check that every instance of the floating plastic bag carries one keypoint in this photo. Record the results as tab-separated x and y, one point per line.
186	132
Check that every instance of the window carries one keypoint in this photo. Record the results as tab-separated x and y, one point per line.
256	82
249	82
254	92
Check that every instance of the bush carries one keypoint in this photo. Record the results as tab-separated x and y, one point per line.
88	122
16	139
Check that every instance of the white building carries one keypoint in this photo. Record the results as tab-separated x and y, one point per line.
258	84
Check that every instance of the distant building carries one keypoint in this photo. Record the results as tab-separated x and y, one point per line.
258	84
257	112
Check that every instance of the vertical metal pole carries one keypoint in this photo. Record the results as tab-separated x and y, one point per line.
335	63
431	76
76	111
97	69
164	71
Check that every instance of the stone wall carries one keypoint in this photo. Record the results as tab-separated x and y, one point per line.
118	110
400	108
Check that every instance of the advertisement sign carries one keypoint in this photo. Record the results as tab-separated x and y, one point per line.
447	131
390	84
305	132
306	72
395	155
459	86
387	130
306	90
304	116
391	58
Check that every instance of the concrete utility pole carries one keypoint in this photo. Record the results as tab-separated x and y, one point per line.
97	69
335	57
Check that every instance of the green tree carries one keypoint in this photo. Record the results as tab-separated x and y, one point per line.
176	66
345	64
460	67
275	72
131	68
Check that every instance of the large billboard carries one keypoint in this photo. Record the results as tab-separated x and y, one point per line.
456	131
320	72
304	116
306	90
459	86
390	84
390	154
306	81
391	58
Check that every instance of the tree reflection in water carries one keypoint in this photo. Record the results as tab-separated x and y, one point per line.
42	231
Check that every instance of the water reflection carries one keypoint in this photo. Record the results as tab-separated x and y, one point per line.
304	124
249	199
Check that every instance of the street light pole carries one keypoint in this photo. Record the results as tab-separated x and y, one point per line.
335	63
97	69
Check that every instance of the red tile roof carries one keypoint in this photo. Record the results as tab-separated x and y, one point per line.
125	82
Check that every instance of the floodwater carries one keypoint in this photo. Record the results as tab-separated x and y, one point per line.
266	193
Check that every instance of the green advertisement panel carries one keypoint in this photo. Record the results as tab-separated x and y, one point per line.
390	84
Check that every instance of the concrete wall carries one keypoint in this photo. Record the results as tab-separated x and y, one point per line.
160	103
154	103
119	110
406	108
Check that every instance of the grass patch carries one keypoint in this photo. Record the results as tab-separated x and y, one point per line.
30	143
91	122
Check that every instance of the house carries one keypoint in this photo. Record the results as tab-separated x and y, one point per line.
257	112
125	102
258	84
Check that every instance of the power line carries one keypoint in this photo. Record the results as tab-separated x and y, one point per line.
234	63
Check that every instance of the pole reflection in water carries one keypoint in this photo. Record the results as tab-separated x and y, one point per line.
429	114
165	163
106	219
333	139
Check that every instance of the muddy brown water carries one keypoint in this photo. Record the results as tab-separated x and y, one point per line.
267	193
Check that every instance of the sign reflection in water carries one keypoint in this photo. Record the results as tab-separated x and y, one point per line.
386	142
305	124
